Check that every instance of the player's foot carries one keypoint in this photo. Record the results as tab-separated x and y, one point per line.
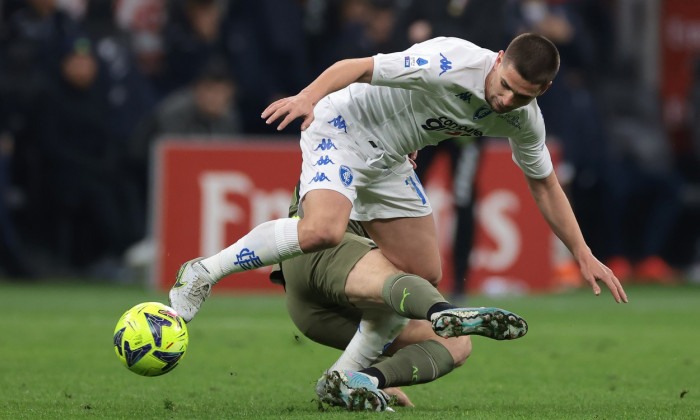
352	390
192	286
494	323
324	394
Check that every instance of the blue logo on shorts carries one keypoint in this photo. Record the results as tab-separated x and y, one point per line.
319	177
325	160
346	175
326	144
339	123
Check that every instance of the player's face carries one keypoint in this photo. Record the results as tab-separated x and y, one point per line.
506	90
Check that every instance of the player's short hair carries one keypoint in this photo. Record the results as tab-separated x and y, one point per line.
534	57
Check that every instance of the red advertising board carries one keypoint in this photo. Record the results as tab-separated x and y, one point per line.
680	55
210	194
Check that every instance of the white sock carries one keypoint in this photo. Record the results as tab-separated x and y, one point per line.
267	244
376	331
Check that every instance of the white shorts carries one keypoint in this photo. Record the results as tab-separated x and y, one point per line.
378	185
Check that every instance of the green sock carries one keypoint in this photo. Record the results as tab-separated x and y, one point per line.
416	364
410	296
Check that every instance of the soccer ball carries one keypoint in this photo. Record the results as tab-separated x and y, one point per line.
150	339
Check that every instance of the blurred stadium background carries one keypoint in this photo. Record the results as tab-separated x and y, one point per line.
130	137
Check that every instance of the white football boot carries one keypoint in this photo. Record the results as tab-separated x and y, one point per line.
192	286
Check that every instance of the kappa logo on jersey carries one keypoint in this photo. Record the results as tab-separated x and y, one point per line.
445	65
450	127
482	112
325	160
513	120
415	61
326	144
339	123
465	96
346	176
319	177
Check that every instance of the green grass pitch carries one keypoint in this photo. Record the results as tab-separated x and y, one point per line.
585	357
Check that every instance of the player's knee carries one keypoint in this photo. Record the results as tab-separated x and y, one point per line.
460	349
433	275
316	237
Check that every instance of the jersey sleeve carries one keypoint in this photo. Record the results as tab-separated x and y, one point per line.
424	67
530	152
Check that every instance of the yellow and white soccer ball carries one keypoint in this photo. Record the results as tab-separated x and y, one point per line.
150	339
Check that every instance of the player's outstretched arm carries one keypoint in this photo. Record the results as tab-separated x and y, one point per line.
301	105
555	208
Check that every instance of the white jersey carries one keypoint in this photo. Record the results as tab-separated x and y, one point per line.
434	91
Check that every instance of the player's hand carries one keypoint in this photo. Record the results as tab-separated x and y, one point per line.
401	398
593	271
291	108
412	158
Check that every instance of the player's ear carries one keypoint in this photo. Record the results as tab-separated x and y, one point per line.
545	88
499	59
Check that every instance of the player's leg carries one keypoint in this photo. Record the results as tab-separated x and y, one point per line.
417	331
401	369
318	307
419	356
410	243
375	332
330	325
362	287
355	274
316	282
326	214
325	221
374	281
413	297
336	326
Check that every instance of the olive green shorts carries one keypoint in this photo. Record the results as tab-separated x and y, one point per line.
315	291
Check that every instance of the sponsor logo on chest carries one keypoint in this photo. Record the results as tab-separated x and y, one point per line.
450	128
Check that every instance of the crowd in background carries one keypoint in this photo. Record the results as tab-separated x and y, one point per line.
87	86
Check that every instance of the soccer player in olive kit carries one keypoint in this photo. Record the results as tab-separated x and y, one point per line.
362	117
346	297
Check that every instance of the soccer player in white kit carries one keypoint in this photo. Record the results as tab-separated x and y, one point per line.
363	117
